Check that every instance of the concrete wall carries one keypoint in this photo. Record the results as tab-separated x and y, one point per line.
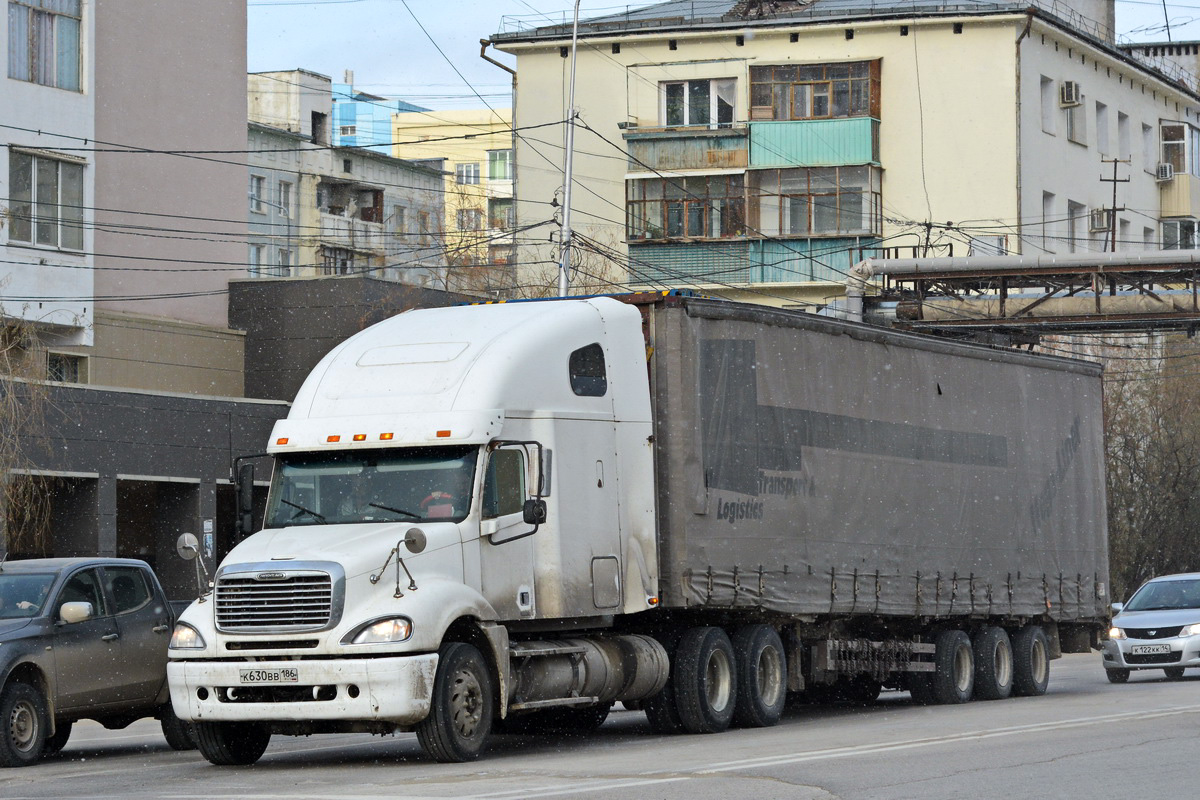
152	354
170	76
291	324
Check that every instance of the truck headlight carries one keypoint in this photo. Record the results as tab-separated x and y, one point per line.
186	637
1116	633
1190	630
384	631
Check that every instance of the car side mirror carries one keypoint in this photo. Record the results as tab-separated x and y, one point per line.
534	511
78	611
1117	608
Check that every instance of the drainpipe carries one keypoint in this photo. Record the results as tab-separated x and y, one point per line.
512	115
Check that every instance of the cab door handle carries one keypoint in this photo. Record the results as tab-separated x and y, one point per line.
110	637
160	629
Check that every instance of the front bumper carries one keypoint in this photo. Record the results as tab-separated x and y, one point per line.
1179	652
396	690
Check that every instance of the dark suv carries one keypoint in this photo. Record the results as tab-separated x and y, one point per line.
81	638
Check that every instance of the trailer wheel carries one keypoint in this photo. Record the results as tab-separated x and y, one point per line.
460	716
231	743
705	680
24	722
761	676
993	664
1117	675
953	679
1031	662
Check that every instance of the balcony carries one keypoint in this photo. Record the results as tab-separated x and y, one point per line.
815	142
353	234
1180	196
673	149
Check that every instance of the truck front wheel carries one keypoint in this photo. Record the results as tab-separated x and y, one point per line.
24	722
705	680
460	715
1031	662
231	743
761	676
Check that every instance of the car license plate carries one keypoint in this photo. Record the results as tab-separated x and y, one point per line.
281	675
1150	649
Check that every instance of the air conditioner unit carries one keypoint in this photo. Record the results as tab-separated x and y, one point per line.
1068	94
1099	220
1164	172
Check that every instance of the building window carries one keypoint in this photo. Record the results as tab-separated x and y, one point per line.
337	261
466	173
258	186
499	165
1149	151
1102	138
469	219
816	91
46	198
708	206
1179	234
43	42
1124	145
398	221
706	102
500	255
285	199
285	263
501	213
66	368
816	201
1181	147
1076	226
256	260
424	230
1048	224
1049	99
1077	122
348	130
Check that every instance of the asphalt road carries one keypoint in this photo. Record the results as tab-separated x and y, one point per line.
1085	738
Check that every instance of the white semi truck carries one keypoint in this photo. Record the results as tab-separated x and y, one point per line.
492	517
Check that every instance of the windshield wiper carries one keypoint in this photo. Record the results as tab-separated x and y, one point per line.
395	510
303	510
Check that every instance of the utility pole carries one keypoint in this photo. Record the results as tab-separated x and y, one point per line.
564	264
1112	214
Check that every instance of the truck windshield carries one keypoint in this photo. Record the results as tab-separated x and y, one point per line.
417	483
23	595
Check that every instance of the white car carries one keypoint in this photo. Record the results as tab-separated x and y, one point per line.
1159	628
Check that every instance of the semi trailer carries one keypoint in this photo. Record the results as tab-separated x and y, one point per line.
511	516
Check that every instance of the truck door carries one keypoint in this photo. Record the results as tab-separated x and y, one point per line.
86	654
506	556
144	623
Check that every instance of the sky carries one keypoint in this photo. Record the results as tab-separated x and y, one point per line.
411	49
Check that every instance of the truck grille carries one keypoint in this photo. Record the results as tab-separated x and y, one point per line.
293	602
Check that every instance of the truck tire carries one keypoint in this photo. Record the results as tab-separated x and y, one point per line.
1117	675
460	715
179	734
761	676
920	686
1031	662
1173	673
993	663
661	711
705	680
56	741
24	722
859	690
953	678
231	743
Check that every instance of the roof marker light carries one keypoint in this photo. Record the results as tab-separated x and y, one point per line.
385	437
360	437
333	438
281	440
443	434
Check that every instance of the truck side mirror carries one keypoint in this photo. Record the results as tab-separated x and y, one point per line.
245	500
534	511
